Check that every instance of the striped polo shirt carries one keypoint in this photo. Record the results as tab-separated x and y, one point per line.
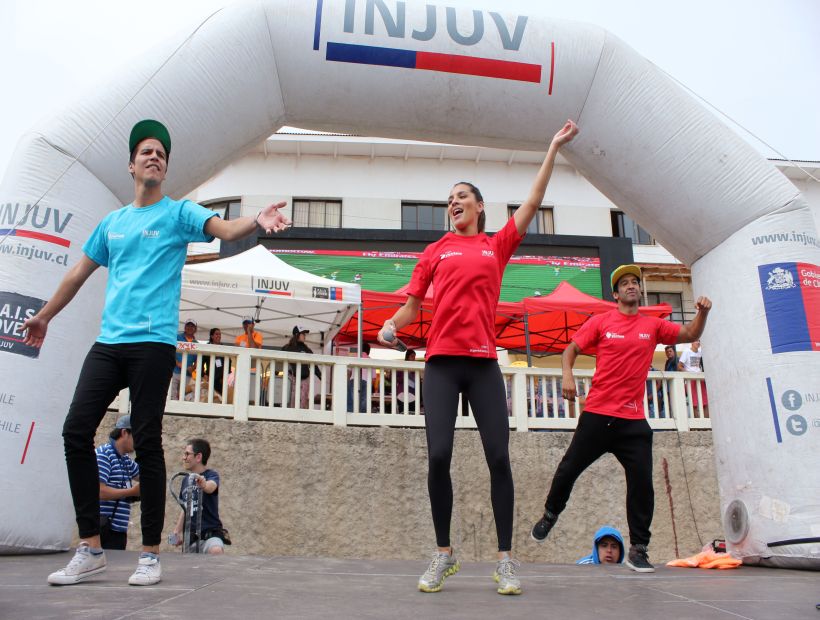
116	471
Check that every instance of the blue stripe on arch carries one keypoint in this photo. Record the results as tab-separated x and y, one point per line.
368	55
774	410
318	27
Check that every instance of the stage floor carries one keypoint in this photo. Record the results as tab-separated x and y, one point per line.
246	587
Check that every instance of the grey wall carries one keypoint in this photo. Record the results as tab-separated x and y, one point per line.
316	490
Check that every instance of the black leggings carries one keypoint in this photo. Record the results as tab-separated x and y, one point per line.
480	379
145	368
630	441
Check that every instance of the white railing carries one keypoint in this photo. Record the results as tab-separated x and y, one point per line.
263	385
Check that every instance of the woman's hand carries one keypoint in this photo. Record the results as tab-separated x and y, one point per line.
566	134
389	328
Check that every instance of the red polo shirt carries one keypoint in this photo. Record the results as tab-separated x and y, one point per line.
466	275
625	345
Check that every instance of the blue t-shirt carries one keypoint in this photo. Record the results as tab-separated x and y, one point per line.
116	470
210	502
144	250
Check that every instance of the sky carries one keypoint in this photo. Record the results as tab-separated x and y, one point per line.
757	61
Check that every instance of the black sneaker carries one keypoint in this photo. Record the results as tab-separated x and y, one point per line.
542	528
638	561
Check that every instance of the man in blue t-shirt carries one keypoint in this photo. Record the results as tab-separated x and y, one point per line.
119	484
212	536
144	246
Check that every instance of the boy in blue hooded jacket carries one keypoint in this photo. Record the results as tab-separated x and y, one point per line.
607	547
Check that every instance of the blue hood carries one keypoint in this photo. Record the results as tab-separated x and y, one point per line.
606	530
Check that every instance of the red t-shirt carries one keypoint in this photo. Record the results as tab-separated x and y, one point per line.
625	345
466	276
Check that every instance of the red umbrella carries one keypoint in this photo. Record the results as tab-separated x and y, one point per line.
378	307
553	319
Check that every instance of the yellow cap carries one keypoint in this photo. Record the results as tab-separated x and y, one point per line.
624	270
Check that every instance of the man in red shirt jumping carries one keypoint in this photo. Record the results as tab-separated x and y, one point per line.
613	419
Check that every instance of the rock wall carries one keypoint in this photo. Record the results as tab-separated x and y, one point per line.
317	490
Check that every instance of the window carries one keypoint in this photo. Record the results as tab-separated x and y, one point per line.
317	213
227	209
673	299
625	226
541	224
424	216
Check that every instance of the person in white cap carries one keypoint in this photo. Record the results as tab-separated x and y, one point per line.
613	419
143	245
188	334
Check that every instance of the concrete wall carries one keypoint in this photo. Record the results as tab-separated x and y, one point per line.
316	490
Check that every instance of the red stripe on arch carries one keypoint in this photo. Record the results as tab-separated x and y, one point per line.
484	67
28	441
552	66
43	237
810	288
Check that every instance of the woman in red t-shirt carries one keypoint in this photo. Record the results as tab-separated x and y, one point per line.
465	268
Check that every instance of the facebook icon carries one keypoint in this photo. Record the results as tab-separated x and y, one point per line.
792	400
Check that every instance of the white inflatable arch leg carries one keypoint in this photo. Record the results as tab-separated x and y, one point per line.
429	71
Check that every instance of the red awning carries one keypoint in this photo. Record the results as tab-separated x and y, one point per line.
551	320
378	307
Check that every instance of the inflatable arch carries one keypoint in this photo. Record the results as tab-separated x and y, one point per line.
430	71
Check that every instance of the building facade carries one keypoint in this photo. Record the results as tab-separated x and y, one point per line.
348	193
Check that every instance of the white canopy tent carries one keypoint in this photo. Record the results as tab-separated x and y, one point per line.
277	295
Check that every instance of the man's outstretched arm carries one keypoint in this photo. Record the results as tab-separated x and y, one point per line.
269	218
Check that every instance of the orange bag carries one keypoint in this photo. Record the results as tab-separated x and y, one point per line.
707	558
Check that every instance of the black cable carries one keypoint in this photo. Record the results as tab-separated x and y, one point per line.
686	481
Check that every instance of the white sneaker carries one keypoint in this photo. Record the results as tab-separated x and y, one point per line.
148	572
83	565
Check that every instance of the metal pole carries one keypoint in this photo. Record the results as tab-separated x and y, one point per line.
359	338
198	506
527	338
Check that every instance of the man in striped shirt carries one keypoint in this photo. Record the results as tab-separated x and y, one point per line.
119	484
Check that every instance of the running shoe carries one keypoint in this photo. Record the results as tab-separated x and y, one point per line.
442	565
505	577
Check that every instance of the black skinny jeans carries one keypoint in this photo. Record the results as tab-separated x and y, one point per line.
481	381
145	369
630	441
